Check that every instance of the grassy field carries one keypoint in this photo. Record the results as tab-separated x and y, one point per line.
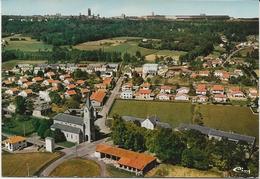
230	118
115	172
66	144
15	165
77	167
29	44
165	170
164	53
126	44
18	127
173	113
11	63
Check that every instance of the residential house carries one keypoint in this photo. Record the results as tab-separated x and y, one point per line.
127	86
201	89
25	93
204	73
50	74
165	89
97	98
70	93
252	93
80	82
217	89
164	96
27	85
181	97
44	95
37	79
145	86
12	91
21	81
200	99
221	98
15	143
68	81
126	94
143	94
236	94
183	90
150	69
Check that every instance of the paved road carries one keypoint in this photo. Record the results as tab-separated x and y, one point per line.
104	112
229	57
85	150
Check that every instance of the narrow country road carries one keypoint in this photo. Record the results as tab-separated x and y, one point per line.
233	53
85	150
104	112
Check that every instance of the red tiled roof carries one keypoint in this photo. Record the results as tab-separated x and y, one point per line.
98	96
143	91
127	157
80	82
71	86
71	92
218	88
166	87
38	78
107	81
201	87
15	139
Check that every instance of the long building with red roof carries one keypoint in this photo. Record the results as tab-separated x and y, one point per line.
139	163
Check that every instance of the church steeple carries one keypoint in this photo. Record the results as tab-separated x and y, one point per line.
89	119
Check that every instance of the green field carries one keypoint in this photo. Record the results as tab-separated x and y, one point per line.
77	167
66	144
17	165
11	63
167	170
173	113
126	44
115	172
230	118
29	44
18	127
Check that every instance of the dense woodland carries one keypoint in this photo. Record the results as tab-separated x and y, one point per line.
195	37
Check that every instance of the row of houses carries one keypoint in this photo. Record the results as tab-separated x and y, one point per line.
166	92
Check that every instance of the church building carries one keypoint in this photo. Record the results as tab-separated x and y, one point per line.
77	129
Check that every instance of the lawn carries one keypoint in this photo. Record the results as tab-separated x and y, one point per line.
164	170
171	112
66	144
11	63
18	127
29	44
230	118
15	165
115	172
77	167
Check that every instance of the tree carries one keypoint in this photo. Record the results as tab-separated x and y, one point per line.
59	136
44	125
118	131
55	97
195	158
20	105
72	103
168	146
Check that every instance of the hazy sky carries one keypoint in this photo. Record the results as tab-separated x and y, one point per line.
234	8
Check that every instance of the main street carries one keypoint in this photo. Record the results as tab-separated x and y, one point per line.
104	112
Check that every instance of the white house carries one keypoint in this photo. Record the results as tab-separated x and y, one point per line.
127	94
127	86
220	98
165	89
164	97
25	93
150	69
12	91
45	96
15	143
143	94
183	90
182	97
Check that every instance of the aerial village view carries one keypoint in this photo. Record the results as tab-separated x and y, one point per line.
130	88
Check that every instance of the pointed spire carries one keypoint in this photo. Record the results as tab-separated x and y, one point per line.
88	103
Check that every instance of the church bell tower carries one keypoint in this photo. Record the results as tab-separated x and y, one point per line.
89	119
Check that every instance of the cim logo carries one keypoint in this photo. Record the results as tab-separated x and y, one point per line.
241	170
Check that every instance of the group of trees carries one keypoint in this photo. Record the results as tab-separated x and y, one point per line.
74	31
187	148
